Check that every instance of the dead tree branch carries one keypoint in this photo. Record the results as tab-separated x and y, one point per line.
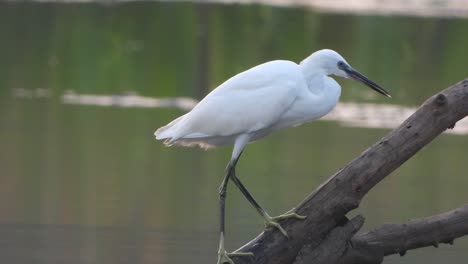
398	238
327	206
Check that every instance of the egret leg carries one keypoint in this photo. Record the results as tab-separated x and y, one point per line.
223	256
269	221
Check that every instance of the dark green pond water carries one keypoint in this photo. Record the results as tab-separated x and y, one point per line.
87	183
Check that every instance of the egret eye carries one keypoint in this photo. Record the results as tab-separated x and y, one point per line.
341	65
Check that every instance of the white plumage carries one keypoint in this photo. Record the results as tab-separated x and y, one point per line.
253	104
258	101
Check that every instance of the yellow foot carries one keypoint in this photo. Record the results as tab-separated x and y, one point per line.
271	221
224	257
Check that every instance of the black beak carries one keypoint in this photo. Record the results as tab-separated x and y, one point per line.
355	75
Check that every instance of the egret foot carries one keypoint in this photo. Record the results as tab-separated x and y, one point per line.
271	221
224	257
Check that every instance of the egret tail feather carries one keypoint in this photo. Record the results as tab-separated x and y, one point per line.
168	131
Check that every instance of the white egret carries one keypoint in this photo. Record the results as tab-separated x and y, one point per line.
253	104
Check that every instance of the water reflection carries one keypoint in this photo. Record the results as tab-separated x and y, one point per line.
127	100
444	8
425	8
364	115
85	244
380	116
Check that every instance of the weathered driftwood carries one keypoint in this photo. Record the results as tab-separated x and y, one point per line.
398	238
326	235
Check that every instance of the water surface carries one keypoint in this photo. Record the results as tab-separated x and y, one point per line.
87	183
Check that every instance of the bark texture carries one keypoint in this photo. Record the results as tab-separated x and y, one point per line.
398	238
326	235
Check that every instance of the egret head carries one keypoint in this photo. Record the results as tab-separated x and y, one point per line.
330	62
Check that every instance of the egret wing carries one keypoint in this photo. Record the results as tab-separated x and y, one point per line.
248	102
